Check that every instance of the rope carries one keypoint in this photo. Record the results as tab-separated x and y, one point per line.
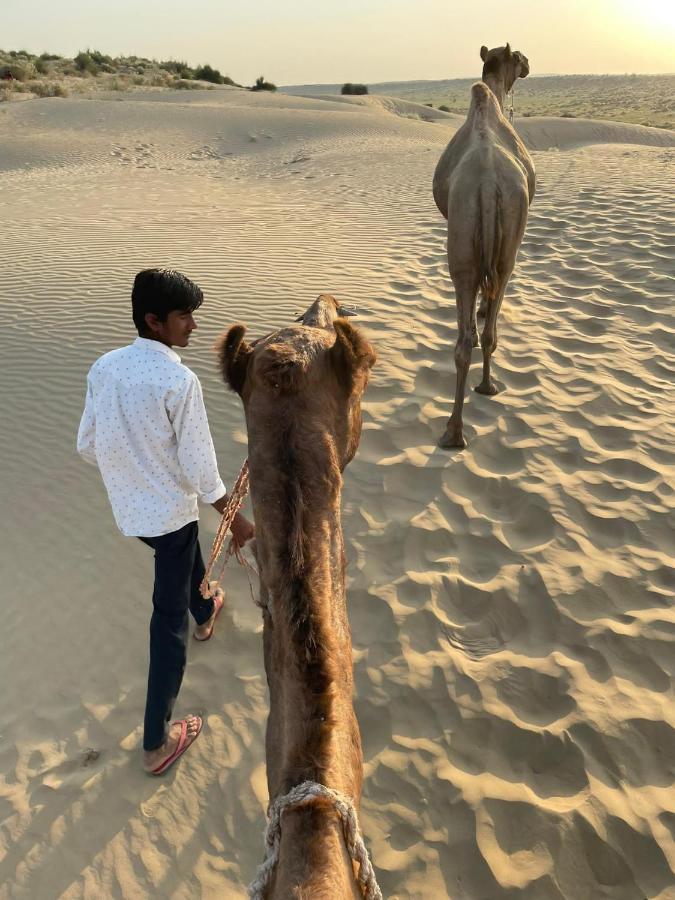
302	795
232	507
511	107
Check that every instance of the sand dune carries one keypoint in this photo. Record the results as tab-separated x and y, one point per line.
511	604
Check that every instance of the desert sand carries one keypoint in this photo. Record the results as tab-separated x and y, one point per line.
511	604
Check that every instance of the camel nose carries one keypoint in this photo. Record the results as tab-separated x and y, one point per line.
344	311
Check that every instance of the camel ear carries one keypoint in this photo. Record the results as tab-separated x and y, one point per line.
233	356
351	354
508	50
483	52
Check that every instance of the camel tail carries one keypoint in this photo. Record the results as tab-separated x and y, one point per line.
490	242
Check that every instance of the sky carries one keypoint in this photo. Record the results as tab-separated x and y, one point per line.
320	42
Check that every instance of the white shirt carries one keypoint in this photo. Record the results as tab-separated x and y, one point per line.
144	425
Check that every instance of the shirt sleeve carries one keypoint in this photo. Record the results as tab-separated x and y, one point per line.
196	453
86	436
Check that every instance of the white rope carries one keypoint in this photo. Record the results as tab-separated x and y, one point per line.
302	795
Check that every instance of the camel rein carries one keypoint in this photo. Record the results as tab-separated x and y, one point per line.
232	507
303	795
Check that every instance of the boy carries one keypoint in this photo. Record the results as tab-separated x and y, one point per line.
144	425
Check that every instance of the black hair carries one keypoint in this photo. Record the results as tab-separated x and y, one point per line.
160	291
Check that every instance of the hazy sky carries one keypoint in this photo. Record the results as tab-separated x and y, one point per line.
291	42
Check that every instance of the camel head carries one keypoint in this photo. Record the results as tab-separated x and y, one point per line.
303	377
505	64
324	311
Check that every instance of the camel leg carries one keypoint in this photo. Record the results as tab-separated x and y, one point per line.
488	342
466	301
482	308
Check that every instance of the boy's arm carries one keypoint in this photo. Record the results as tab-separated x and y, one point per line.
196	453
86	436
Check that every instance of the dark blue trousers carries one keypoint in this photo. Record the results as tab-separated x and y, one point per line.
179	570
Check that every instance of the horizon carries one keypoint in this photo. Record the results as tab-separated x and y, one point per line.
387	42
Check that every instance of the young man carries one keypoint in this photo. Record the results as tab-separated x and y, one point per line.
144	425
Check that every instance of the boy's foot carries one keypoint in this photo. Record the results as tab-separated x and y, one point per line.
182	734
204	632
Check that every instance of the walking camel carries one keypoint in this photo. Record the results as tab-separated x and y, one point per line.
483	184
301	388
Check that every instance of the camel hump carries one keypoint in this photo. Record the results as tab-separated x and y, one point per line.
483	101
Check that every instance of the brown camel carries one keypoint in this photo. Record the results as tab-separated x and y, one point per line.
301	388
483	184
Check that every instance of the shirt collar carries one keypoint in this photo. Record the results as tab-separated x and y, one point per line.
157	346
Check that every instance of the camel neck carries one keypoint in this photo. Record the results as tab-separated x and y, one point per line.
496	84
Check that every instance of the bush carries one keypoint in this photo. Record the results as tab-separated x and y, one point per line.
567	115
444	108
206	73
48	89
350	88
177	67
85	63
49	57
20	71
262	85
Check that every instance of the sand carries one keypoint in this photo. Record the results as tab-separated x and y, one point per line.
511	604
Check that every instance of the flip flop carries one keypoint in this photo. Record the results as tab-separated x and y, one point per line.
183	743
219	602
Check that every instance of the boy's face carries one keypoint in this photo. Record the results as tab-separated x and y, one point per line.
175	330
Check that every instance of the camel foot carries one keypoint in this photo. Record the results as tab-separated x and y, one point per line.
489	388
452	439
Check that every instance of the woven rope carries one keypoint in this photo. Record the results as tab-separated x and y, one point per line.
302	795
232	507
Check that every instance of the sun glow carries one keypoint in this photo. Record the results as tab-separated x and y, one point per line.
651	15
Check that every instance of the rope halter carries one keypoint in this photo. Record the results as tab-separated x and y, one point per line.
303	795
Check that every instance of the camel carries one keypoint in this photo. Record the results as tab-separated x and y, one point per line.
301	389
483	185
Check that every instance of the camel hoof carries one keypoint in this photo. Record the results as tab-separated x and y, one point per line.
452	440
489	389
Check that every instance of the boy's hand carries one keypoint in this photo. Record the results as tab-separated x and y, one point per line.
242	530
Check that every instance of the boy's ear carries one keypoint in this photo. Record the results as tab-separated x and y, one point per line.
233	357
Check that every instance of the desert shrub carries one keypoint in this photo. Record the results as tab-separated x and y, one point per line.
5	94
177	67
567	115
206	73
262	85
41	66
49	57
21	71
228	80
119	83
527	115
350	88
185	84
429	104
47	88
100	58
85	63
444	108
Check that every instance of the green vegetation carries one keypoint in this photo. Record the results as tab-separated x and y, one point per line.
262	85
51	75
350	88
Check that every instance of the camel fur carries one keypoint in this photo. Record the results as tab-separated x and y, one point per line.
301	388
483	185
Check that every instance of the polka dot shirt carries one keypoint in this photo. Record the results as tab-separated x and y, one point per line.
144	425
